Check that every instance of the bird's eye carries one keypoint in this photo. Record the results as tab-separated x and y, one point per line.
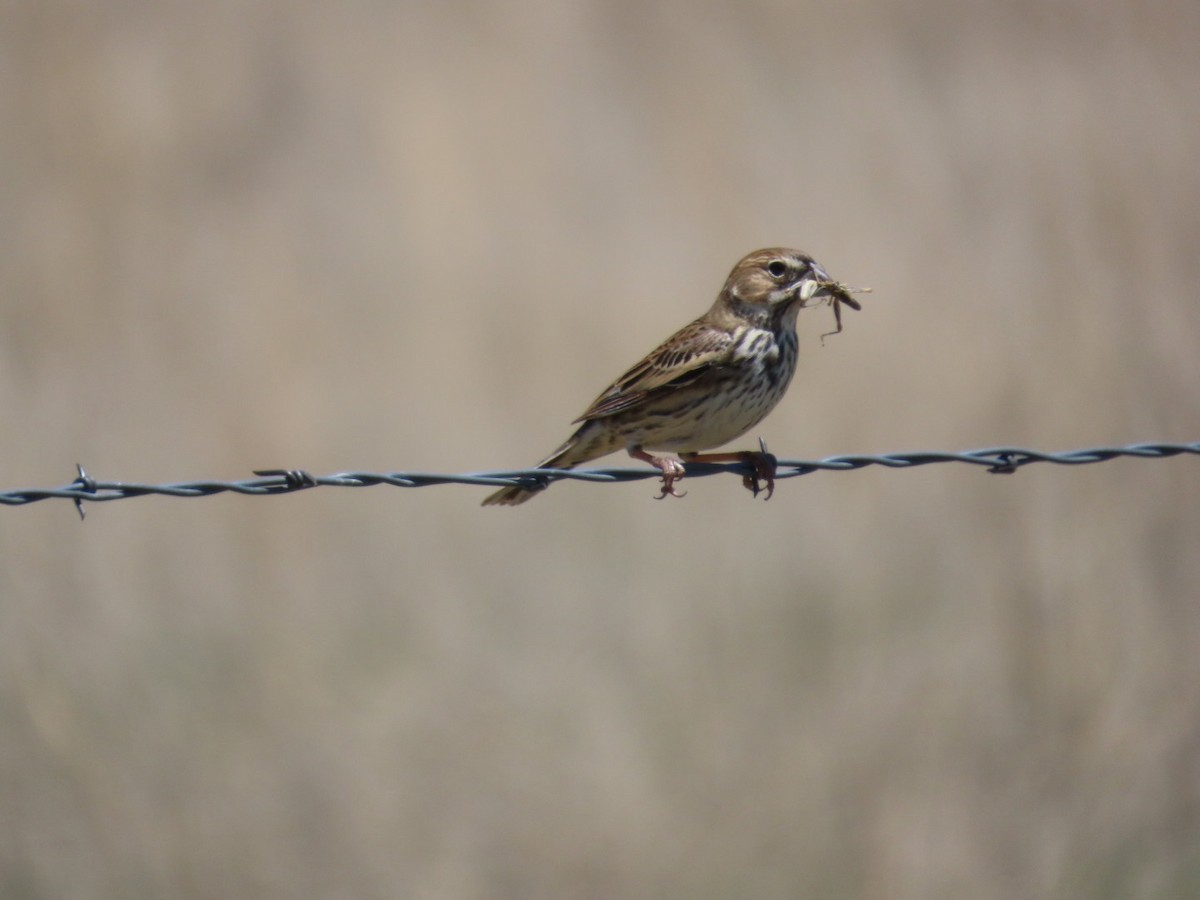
777	268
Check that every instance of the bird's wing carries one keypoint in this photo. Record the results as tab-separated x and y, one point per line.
678	361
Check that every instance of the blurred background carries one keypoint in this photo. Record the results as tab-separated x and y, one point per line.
422	236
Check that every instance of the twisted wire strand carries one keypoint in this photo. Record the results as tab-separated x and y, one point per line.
1000	460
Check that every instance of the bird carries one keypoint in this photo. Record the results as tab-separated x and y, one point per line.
708	383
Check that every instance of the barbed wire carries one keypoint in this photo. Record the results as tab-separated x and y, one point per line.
271	482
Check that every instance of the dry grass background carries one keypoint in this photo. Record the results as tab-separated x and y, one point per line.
422	236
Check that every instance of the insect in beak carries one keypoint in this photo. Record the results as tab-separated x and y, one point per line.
835	295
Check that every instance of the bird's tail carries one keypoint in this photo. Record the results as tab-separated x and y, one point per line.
568	456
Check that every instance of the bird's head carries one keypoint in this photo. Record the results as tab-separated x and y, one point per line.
777	277
778	281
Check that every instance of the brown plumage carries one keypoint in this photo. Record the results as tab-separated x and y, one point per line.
710	382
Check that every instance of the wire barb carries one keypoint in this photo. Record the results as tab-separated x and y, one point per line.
85	483
293	479
268	482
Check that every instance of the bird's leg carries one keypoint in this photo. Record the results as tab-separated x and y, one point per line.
762	463
672	469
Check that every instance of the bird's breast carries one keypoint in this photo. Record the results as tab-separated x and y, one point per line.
766	359
731	400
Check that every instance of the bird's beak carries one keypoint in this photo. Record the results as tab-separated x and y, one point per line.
808	290
821	287
818	282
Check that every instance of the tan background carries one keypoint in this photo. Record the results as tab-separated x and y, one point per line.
422	236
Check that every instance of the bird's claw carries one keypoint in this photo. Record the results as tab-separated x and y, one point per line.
672	470
668	489
764	465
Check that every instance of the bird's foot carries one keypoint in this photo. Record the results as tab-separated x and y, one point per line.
671	468
763	466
